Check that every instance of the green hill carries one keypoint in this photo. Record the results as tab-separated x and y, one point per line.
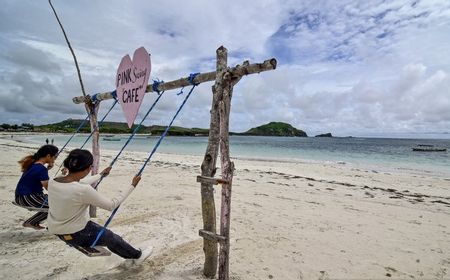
70	125
276	129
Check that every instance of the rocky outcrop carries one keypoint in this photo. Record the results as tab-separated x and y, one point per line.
276	129
324	135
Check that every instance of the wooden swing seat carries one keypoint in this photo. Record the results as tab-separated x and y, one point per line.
97	251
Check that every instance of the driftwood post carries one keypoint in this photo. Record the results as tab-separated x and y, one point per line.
225	79
209	169
227	168
93	111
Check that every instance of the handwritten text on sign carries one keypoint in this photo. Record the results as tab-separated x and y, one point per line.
131	83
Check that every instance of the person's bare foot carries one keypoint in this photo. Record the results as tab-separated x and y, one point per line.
36	227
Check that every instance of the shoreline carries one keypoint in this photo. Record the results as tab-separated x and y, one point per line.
389	167
289	221
444	138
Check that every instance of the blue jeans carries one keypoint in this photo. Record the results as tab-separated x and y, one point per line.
112	241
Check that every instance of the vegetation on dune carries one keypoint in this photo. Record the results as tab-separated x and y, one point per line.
70	126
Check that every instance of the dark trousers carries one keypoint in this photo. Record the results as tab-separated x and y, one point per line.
38	200
112	241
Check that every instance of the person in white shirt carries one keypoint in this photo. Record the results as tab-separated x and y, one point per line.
69	198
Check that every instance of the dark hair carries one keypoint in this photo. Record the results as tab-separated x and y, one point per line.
26	162
78	160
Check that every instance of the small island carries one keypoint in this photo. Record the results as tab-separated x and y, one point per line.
275	129
324	135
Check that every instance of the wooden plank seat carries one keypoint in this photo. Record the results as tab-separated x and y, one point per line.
97	251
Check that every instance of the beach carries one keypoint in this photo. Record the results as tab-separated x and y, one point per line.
289	220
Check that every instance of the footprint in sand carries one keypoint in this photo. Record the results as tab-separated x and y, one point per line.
390	271
324	275
369	194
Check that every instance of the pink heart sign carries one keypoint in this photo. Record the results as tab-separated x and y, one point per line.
131	82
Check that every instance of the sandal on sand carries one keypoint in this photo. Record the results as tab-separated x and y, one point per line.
36	227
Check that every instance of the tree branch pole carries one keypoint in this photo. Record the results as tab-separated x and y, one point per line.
70	47
95	151
90	109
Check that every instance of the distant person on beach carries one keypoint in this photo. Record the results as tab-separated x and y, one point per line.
29	190
52	141
69	200
46	141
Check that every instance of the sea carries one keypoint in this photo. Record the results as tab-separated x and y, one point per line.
382	154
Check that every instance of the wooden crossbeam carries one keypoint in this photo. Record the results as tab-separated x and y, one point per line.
211	236
213	181
237	71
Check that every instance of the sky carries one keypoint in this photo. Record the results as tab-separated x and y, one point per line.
359	68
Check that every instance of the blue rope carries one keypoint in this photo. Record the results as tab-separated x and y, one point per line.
131	136
90	135
181	91
45	202
100	233
100	123
59	152
146	162
76	131
191	81
112	163
165	132
94	97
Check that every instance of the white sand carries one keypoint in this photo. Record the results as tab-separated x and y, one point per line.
289	221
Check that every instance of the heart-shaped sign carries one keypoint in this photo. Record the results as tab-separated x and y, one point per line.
131	82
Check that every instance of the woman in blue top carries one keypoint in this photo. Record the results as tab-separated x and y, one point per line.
29	190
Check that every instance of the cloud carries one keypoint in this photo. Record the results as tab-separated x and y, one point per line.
29	95
31	58
414	98
351	31
347	67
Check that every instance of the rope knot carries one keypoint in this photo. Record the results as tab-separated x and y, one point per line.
88	101
191	79
156	84
114	94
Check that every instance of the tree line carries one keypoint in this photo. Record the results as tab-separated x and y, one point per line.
23	126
